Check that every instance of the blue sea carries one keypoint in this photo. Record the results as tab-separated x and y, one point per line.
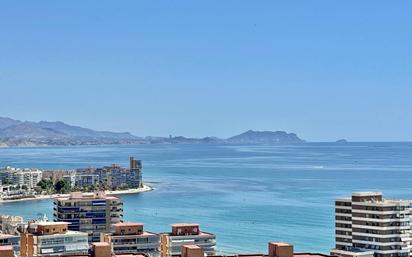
247	195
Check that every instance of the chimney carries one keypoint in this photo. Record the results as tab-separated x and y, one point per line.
279	249
26	245
6	251
192	251
101	249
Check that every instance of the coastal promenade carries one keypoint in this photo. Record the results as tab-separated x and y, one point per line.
145	188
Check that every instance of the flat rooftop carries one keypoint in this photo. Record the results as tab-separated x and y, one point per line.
265	255
201	233
6	247
185	225
129	255
52	223
145	233
192	246
128	224
367	194
5	236
100	244
85	196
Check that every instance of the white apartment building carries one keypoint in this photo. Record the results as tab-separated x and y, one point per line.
368	225
21	177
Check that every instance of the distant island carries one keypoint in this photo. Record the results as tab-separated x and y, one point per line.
342	141
45	133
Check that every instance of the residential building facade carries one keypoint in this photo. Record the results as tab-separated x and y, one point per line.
131	238
368	225
81	180
93	213
183	234
20	177
52	239
11	239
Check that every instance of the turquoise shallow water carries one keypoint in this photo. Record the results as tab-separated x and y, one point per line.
247	195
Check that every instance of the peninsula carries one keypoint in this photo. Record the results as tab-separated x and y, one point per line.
18	184
16	133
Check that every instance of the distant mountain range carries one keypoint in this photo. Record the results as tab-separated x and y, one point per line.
43	133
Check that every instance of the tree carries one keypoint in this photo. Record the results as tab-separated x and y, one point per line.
46	185
62	186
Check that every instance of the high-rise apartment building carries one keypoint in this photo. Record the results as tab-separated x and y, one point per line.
368	225
136	170
184	234
93	213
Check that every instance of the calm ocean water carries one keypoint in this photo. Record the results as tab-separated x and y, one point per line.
247	195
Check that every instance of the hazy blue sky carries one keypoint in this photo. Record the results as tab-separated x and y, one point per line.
323	69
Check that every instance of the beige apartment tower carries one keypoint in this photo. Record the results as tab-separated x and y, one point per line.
93	213
367	225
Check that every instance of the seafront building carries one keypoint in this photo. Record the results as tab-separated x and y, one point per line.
81	180
20	177
367	225
131	238
52	239
182	234
93	213
116	176
108	177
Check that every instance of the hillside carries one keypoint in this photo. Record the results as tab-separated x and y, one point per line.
43	133
265	137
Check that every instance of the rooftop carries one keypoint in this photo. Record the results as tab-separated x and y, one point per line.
145	233
128	224
6	247
185	225
85	196
5	236
192	246
201	233
130	255
265	255
100	243
366	194
52	223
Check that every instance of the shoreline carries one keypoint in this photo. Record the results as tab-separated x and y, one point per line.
145	188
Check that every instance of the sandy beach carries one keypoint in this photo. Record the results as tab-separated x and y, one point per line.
145	188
